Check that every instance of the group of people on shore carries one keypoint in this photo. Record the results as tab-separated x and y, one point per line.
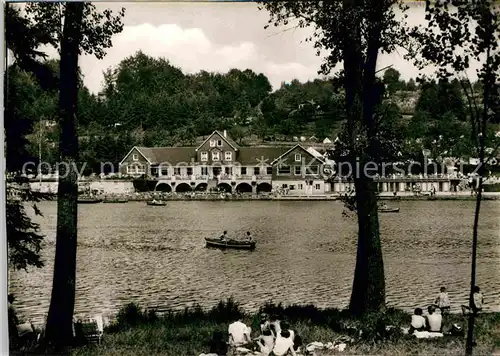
275	339
433	321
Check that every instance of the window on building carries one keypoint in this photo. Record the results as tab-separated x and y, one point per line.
204	156
312	169
177	171
298	170
300	186
135	157
269	170
189	171
297	157
215	156
284	169
243	171
219	143
136	169
164	171
204	171
292	187
284	186
317	186
256	170
228	170
228	156
212	143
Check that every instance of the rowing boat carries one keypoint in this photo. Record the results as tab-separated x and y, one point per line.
388	210
156	203
87	200
115	201
240	245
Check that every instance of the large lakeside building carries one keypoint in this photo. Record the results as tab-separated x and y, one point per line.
219	162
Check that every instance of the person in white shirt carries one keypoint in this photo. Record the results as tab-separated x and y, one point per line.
283	345
417	321
434	320
275	325
239	334
265	342
478	301
284	326
443	301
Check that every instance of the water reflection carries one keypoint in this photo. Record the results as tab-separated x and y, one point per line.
305	254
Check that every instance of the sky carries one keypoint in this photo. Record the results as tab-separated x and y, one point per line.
217	37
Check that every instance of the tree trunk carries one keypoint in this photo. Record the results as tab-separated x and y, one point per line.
488	85
368	291
470	328
59	330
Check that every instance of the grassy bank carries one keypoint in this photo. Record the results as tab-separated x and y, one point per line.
136	332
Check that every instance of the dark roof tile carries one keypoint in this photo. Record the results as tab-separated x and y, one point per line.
172	155
258	155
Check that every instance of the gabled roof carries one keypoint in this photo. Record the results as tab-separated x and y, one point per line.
229	141
258	156
172	155
315	153
294	147
137	149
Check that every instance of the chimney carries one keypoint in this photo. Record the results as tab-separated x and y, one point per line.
225	134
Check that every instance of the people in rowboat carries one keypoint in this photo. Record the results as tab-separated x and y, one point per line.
223	237
249	237
384	206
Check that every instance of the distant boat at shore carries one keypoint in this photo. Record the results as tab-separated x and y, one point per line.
156	203
115	201
388	210
89	200
233	244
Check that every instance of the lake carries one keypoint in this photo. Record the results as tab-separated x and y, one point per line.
156	256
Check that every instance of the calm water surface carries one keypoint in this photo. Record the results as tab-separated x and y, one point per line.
305	254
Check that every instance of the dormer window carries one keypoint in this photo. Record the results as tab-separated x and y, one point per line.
228	156
215	156
135	157
297	158
204	156
212	143
219	143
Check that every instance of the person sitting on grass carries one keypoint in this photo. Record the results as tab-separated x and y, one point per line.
417	321
264	322
283	344
443	301
477	305
239	334
434	320
217	345
265	342
285	326
297	343
275	324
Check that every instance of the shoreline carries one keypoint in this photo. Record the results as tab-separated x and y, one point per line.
189	332
143	197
